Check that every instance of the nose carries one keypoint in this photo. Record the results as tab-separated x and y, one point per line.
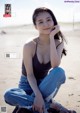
45	24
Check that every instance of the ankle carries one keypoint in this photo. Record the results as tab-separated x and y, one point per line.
58	106
55	104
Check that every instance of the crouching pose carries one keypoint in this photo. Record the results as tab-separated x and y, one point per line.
41	75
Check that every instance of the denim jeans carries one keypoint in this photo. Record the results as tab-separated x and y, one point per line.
24	95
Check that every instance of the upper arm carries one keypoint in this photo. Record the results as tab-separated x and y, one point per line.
27	58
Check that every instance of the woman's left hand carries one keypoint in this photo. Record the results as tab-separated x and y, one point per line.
54	31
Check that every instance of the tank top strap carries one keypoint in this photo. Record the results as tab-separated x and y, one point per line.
36	46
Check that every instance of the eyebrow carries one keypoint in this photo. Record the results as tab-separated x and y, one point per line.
41	19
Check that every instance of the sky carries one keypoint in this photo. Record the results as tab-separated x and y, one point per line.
22	10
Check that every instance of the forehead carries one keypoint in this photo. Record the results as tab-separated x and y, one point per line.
43	15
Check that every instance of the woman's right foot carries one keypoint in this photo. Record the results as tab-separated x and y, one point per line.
60	109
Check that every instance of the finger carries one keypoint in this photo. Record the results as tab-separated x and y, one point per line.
33	107
52	28
56	25
55	29
42	110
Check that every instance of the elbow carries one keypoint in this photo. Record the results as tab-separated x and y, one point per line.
55	64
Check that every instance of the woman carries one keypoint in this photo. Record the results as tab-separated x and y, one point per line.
41	75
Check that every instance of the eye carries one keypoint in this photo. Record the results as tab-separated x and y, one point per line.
40	22
49	20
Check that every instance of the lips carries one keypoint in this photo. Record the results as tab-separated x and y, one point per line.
46	29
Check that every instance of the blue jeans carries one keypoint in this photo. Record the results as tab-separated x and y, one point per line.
24	95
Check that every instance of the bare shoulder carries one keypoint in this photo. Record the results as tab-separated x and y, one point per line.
30	47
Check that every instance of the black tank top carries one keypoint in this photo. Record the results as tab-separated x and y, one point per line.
40	70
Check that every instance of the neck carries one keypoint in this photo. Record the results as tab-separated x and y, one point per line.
44	39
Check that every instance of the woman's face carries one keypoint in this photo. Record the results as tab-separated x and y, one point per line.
44	23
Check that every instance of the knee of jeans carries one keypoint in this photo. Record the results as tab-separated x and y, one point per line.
59	73
8	96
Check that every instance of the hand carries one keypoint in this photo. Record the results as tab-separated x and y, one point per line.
54	31
39	104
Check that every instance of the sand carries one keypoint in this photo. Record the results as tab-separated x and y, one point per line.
12	40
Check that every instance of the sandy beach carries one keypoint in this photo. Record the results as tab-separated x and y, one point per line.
12	40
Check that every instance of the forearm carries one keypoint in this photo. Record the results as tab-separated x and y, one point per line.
33	83
54	57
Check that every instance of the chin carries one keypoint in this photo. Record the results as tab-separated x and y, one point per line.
46	32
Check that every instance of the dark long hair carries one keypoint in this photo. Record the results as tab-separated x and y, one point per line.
59	35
